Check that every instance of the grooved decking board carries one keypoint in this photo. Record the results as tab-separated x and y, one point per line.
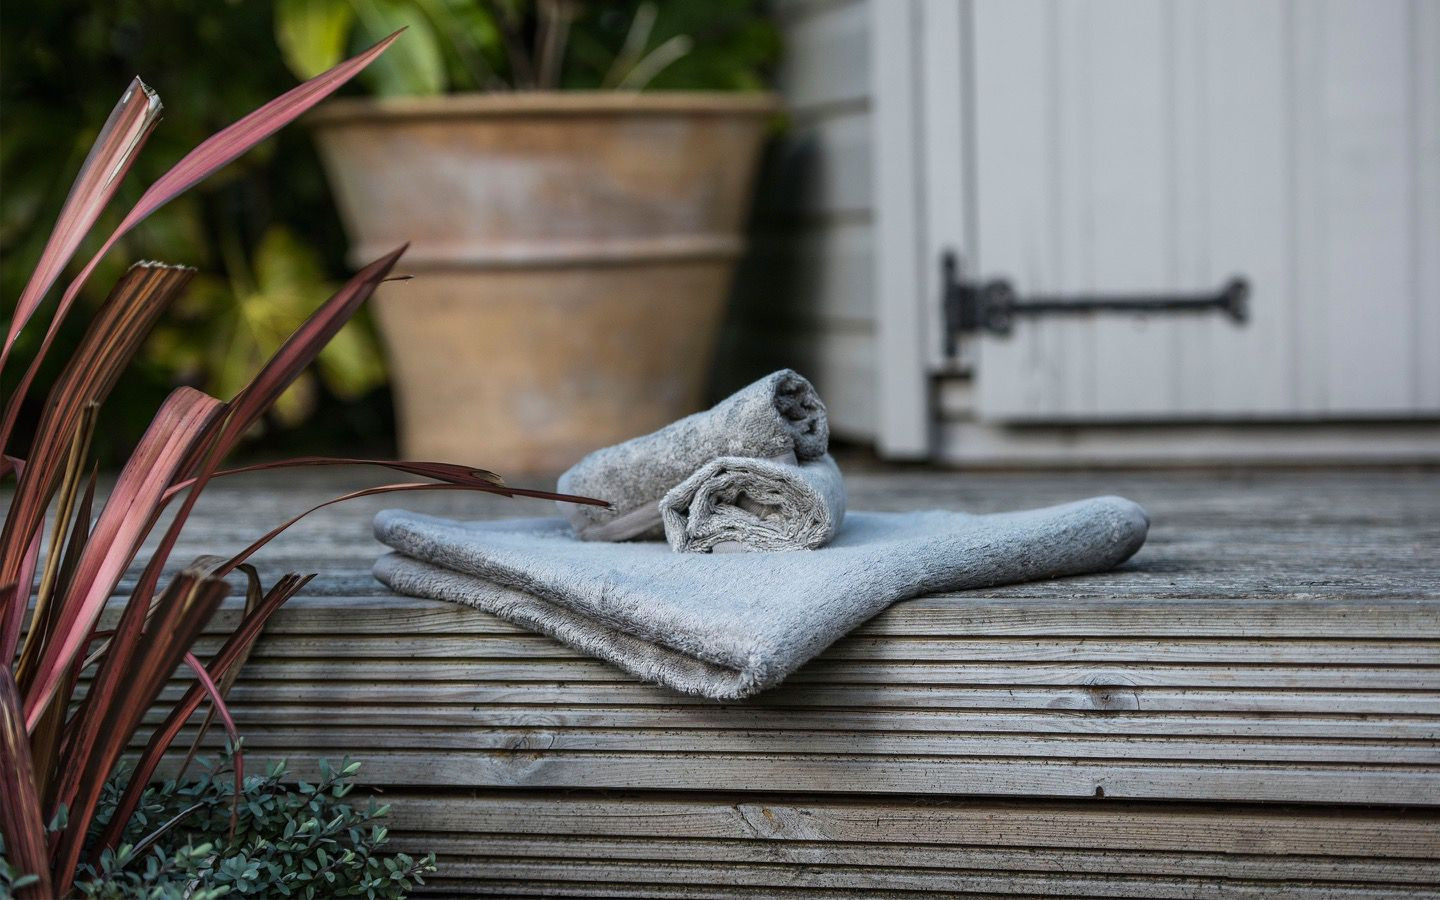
835	672
1274	831
893	773
974	614
781	722
1277	641
944	861
539	738
1062	698
686	846
665	876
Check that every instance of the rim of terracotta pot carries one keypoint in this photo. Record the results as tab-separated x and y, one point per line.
549	103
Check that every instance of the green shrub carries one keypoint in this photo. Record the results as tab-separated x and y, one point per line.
11	880
290	840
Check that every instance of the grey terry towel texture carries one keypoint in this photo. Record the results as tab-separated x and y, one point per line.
728	625
775	417
733	503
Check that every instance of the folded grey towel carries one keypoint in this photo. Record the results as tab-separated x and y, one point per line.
776	417
727	625
733	503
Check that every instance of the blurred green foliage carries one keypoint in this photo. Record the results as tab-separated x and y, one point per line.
262	232
460	45
734	46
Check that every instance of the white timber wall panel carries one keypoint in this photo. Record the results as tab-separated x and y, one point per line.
805	295
1157	147
822	276
1020	207
1362	196
1231	91
825	56
904	416
1425	48
945	114
819	172
1128	183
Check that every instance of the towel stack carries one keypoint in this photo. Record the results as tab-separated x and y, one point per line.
752	473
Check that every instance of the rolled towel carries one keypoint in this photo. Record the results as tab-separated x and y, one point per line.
778	417
733	503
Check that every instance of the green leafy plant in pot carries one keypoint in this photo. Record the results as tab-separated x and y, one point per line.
576	206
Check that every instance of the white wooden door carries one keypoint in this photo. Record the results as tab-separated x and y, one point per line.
1132	146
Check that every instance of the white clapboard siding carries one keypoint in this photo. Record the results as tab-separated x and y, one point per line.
823	276
1136	146
805	294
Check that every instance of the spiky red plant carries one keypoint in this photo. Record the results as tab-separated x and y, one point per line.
59	746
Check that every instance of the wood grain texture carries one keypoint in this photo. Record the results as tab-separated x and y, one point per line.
850	846
1250	707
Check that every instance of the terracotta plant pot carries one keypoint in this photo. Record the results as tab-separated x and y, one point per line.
573	252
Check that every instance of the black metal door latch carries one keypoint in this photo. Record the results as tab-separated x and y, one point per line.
993	306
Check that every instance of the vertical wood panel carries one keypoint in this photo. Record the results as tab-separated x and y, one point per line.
1128	147
819	171
1425	80
904	414
1017	233
1308	222
1064	351
945	160
1367	286
1242	199
1190	211
1130	201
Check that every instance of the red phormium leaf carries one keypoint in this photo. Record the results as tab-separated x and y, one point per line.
217	703
190	435
129	513
117	331
252	402
275	532
234	650
24	830
450	473
12	606
115	148
181	613
254	596
10	464
301	348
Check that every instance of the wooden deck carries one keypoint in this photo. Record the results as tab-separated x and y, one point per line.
1250	707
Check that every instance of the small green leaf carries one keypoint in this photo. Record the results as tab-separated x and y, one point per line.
413	66
312	33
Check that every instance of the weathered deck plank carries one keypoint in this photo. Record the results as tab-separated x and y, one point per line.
1112	848
1276	641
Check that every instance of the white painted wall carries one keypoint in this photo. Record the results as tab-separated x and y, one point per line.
805	297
